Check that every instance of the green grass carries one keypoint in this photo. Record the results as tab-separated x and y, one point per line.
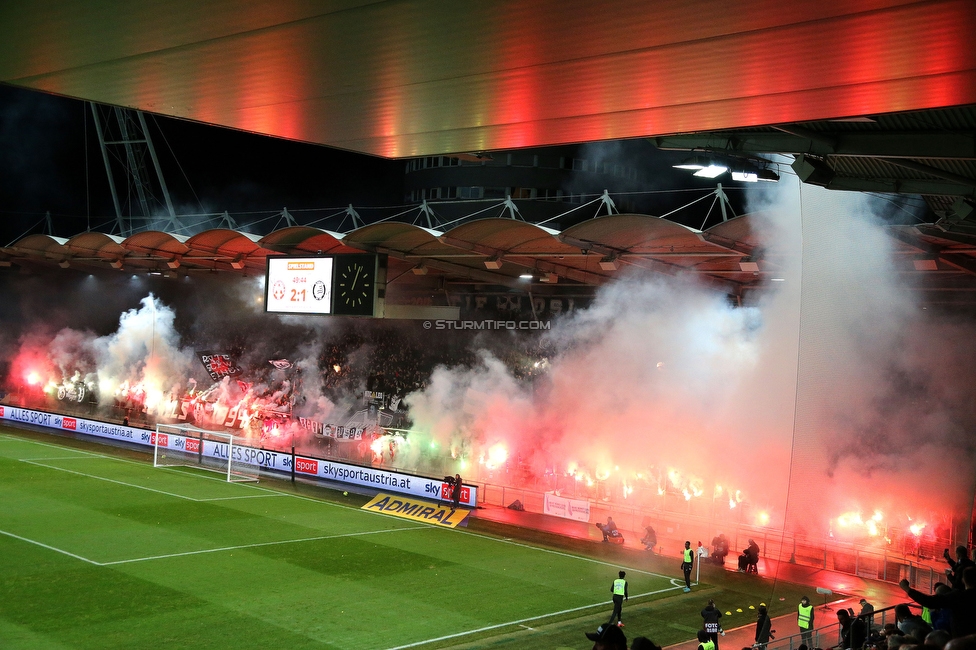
100	550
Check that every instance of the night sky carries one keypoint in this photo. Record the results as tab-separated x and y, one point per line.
50	161
43	168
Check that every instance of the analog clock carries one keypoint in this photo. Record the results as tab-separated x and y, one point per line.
355	284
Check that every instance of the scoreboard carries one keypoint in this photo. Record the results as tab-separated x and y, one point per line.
345	285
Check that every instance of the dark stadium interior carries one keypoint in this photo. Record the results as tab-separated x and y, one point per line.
582	292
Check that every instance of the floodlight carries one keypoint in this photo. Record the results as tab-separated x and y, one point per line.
745	177
712	171
694	163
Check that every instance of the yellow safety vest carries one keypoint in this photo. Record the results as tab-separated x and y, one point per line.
805	614
619	587
707	645
689	554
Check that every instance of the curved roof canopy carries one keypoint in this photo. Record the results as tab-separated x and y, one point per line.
495	251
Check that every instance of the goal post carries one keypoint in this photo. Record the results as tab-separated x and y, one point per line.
176	445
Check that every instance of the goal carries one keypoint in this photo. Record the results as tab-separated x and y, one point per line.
182	445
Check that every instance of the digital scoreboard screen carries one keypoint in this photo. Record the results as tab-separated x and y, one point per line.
348	284
299	285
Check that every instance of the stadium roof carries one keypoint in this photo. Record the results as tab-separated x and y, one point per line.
430	77
497	251
869	95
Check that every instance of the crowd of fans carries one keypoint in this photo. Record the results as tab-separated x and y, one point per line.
407	359
947	619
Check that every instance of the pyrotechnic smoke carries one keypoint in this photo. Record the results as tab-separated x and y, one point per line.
829	391
884	417
663	374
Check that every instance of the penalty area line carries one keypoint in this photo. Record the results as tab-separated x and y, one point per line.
257	544
111	480
520	622
50	548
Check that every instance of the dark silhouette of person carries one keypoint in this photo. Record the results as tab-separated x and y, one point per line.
456	492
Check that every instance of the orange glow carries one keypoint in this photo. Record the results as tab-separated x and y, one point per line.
497	455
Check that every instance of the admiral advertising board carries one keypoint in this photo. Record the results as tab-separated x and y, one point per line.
266	460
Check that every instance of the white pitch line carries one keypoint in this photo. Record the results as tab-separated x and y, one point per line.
50	548
92	454
255	545
520	622
28	460
112	480
381	514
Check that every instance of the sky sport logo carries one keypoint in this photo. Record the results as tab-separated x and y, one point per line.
306	466
487	325
69	423
192	445
447	492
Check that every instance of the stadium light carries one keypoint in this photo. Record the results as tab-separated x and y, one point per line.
420	269
712	171
526	276
493	263
695	163
742	170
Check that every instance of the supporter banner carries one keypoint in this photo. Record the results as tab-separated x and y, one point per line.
337	431
218	365
567	508
430	513
418	486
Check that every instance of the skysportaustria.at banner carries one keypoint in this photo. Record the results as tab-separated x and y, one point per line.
425	511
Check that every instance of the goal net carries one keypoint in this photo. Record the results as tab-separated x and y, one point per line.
183	445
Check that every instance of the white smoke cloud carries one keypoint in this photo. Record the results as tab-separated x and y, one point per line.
833	373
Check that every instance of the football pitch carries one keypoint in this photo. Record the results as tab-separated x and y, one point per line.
98	549
101	551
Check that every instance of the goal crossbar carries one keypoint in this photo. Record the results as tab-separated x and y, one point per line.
176	445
